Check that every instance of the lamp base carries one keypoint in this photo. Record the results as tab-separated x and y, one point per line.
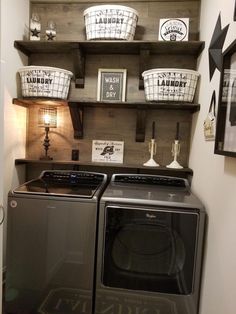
46	158
175	165
151	163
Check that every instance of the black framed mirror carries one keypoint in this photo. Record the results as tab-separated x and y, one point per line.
225	142
235	11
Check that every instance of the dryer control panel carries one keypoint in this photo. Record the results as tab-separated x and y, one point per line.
150	179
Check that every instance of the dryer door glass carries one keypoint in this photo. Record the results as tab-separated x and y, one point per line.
150	250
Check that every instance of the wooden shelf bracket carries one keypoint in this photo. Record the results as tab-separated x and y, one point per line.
141	124
76	112
144	57
79	66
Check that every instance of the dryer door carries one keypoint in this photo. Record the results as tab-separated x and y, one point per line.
150	249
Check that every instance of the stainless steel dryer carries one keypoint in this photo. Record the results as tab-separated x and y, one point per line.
51	243
150	246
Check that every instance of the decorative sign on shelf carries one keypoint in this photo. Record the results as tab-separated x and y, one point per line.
108	151
111	85
174	29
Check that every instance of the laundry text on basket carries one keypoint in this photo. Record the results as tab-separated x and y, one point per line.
109	20
39	80
171	83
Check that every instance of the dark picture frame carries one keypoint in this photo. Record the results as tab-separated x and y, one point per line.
235	11
111	85
225	142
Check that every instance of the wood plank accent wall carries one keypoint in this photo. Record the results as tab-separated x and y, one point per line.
70	21
113	123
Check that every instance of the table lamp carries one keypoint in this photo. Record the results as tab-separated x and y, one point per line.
47	119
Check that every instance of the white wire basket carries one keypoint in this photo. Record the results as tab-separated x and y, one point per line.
110	22
41	81
170	84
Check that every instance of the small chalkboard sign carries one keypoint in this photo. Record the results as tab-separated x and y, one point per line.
111	85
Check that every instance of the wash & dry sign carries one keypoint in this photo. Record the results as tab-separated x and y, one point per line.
111	85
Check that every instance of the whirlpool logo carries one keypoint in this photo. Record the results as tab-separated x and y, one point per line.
151	216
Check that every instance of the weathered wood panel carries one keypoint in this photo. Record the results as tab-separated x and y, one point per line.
113	123
104	1
70	21
131	63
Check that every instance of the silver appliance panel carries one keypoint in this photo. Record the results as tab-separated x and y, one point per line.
150	243
51	251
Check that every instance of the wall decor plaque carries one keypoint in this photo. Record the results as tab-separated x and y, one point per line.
111	85
209	124
174	29
107	151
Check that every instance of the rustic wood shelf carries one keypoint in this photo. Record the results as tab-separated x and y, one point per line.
77	110
45	101
111	47
78	50
165	105
185	172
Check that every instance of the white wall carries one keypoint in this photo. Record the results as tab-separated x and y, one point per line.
1	159
214	179
14	18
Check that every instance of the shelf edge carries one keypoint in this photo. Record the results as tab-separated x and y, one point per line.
21	161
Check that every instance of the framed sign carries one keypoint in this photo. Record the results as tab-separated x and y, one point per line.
108	151
225	143
175	29
235	11
111	85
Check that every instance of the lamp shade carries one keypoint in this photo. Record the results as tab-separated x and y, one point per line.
47	117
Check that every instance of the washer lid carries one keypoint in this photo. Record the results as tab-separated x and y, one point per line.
64	183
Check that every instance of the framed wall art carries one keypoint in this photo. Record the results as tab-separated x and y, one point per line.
225	143
107	151
173	29
235	11
111	85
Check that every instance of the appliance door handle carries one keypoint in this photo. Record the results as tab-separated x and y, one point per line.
2	215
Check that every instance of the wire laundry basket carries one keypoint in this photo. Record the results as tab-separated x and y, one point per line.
170	84
41	81
110	22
